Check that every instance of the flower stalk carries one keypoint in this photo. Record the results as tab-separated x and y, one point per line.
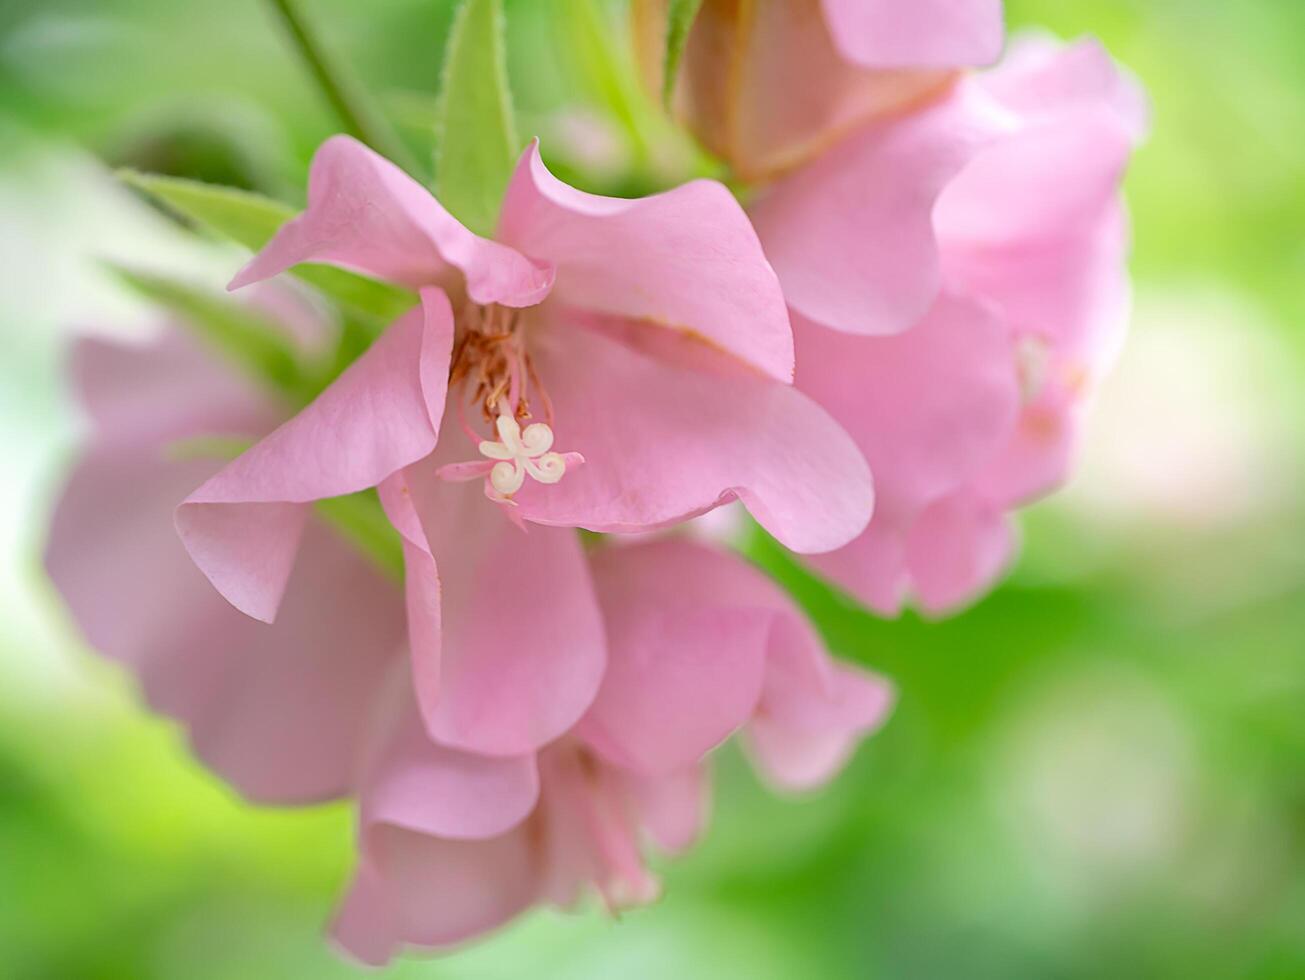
360	120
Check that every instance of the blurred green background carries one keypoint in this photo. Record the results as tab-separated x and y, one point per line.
1097	772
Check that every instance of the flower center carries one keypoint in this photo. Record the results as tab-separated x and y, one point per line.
490	358
491	370
519	453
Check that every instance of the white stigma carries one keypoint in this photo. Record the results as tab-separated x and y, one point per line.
520	453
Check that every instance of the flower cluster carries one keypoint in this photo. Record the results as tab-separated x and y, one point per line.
951	247
940	253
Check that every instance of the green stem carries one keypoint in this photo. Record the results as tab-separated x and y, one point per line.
358	118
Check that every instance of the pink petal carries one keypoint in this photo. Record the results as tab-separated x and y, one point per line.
687	260
294	705
1043	78
279	711
422	588
365	924
684	665
813	712
1037	184
1035	224
413	889
122	386
591	832
567	862
424	606
1035	227
916	33
417	784
673	807
366	214
957	549
930	409
851	235
801	759
764	86
872	569
242	526
663	443
522	646
1039	456
679	683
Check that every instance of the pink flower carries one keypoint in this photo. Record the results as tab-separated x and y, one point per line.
649	337
274	709
766	84
320	705
957	281
453	844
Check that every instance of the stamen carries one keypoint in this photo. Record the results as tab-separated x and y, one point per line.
491	361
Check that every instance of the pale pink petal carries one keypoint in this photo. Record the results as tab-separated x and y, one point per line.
916	33
1039	455
679	682
1042	77
1035	227
416	890
957	549
872	568
684	663
422	588
764	86
663	443
1035	224
121	387
808	712
1038	184
366	214
813	712
522	647
927	408
366	924
242	526
424	605
678	685
287	721
567	862
684	260
851	235
280	711
591	833
417	784
673	807
799	759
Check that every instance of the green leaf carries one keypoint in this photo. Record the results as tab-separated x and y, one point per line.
379	302
585	29
679	20
250	220
254	344
360	518
244	217
477	138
